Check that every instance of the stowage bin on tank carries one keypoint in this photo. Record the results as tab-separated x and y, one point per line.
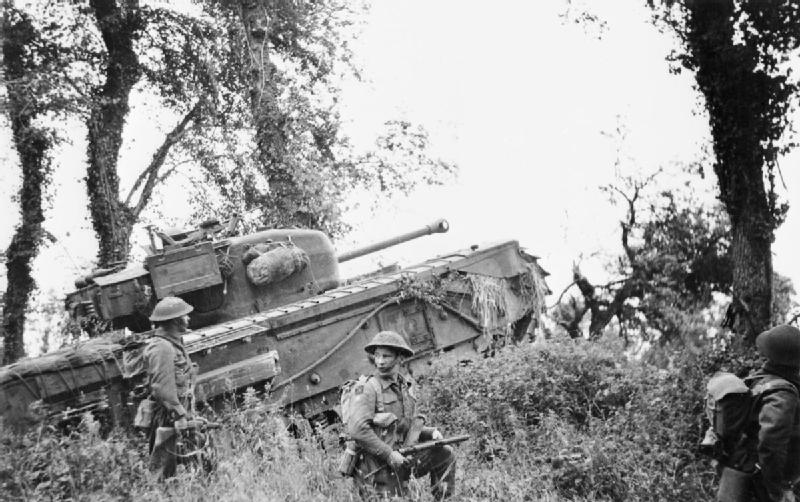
287	324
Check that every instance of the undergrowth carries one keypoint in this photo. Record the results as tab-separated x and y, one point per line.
555	421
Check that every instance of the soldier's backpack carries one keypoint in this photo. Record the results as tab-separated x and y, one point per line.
732	407
350	389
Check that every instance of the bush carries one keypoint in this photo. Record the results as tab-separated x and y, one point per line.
635	427
555	422
49	465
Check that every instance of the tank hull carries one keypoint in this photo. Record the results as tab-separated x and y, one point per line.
301	352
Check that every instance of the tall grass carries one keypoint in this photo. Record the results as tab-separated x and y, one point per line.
553	422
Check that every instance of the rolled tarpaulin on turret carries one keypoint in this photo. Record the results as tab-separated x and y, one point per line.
276	265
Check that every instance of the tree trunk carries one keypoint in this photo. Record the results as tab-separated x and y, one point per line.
742	103
752	277
119	24
284	207
32	144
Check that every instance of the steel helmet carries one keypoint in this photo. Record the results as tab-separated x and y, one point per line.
170	307
392	340
780	345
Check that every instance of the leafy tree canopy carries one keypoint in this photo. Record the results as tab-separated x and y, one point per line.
740	53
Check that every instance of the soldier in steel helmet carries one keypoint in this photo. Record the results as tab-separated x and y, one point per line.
382	416
170	377
769	455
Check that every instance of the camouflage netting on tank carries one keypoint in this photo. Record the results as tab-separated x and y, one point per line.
500	302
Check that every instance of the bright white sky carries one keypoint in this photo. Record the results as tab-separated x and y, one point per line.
517	97
520	99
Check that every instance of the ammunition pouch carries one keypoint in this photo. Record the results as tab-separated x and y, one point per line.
349	459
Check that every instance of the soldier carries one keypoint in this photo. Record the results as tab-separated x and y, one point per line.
382	416
768	462
170	377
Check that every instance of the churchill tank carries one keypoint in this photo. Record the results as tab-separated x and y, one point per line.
272	313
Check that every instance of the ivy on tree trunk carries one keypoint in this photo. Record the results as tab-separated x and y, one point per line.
285	203
32	143
742	101
737	50
119	24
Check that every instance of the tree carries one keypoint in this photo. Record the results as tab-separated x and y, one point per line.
675	256
738	52
181	77
784	308
119	24
26	106
256	84
276	142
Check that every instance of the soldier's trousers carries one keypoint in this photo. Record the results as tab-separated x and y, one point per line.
375	477
738	486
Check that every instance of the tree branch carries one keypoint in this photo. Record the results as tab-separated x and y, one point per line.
149	177
561	296
572	326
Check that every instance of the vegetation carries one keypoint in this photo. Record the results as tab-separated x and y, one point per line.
674	273
256	106
561	420
738	52
29	100
89	61
675	255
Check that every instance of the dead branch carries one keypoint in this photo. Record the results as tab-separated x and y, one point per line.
149	177
561	296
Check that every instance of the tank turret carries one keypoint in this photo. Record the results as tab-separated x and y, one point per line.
222	275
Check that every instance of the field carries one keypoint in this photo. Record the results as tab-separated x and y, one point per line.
550	421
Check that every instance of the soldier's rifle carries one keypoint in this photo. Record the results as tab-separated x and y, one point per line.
426	445
349	461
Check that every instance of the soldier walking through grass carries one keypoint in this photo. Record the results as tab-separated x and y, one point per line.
766	463
170	378
381	416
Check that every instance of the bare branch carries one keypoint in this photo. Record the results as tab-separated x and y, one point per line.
149	177
561	296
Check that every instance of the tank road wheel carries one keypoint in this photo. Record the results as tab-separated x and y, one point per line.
298	426
196	449
327	428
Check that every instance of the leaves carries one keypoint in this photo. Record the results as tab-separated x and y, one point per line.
738	51
675	256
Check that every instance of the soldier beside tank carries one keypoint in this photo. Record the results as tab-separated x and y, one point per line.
381	416
170	379
769	456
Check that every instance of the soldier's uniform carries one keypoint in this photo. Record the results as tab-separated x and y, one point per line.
170	378
768	462
379	396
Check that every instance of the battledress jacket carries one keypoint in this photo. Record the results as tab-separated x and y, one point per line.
778	446
398	397
170	372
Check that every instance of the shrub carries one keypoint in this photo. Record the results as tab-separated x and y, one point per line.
635	426
554	422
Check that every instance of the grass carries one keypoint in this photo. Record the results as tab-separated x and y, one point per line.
630	429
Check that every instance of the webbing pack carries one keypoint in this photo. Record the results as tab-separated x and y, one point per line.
732	406
348	392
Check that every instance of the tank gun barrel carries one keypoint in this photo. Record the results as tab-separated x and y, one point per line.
439	226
